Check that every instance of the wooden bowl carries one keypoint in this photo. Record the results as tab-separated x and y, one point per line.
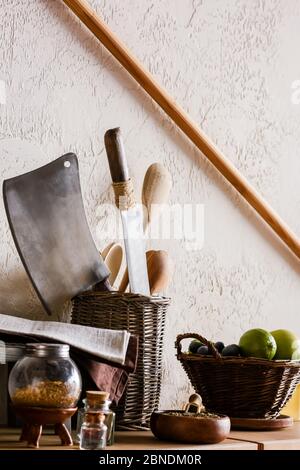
189	429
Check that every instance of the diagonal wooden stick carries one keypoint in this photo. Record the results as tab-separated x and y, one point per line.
95	24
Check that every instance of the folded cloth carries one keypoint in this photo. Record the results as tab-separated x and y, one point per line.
103	377
107	376
110	345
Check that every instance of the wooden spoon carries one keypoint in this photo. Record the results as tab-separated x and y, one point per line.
105	250
113	256
156	189
160	270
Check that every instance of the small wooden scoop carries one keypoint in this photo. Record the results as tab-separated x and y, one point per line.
194	404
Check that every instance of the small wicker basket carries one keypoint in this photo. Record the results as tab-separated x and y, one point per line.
239	387
144	317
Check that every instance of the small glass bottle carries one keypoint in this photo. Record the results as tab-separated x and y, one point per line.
98	401
93	431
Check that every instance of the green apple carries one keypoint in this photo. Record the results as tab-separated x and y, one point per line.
288	344
258	343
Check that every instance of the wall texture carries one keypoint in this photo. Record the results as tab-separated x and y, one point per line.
231	64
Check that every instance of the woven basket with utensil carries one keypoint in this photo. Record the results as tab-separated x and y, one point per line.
144	317
236	386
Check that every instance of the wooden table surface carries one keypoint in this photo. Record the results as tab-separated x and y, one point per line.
285	439
282	439
139	440
127	440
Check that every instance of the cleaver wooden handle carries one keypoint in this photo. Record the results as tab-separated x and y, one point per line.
116	155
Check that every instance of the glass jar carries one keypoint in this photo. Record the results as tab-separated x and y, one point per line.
93	431
45	377
97	401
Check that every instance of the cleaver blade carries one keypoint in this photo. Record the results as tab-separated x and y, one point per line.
47	219
132	221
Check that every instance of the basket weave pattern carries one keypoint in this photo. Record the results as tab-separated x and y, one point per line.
239	387
144	317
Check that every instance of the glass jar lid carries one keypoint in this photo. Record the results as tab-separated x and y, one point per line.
47	349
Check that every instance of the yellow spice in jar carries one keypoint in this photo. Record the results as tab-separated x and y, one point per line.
48	393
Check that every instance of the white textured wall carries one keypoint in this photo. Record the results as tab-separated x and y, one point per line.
230	63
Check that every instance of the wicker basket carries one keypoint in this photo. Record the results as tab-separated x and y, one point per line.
239	387
142	316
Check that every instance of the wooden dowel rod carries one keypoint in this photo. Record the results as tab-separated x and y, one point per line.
97	26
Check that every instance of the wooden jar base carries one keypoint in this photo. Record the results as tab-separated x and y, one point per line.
35	418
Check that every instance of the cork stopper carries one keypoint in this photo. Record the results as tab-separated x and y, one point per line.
96	397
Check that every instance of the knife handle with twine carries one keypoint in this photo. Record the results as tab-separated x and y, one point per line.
124	194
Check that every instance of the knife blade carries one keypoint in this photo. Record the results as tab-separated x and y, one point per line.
131	214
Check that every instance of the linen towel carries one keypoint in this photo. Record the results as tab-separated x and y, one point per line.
110	345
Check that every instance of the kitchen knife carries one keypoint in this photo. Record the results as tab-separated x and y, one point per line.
131	214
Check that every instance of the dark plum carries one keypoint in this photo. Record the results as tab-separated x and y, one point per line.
231	350
194	346
203	350
219	346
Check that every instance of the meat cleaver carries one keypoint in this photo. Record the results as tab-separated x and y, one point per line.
131	214
46	216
